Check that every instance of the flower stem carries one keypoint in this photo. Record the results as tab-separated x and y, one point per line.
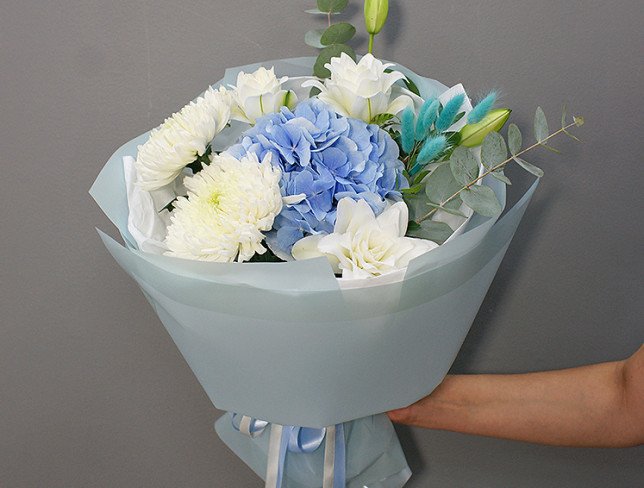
371	36
492	170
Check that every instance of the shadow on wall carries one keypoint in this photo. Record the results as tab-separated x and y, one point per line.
519	250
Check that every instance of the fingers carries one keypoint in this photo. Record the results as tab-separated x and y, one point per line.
400	416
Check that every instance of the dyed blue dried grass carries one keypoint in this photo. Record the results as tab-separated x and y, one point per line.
449	113
482	108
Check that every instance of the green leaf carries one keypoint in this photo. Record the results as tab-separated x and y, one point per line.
499	175
267	257
312	38
432	230
380	119
412	190
338	34
332	5
564	115
530	168
515	140
541	130
482	199
571	135
317	11
441	184
464	166
494	150
550	148
411	86
458	117
451	208
332	51
421	176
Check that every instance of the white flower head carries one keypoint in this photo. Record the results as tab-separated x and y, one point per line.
181	139
363	245
260	93
361	90
229	204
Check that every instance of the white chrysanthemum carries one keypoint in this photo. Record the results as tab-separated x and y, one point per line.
182	138
229	203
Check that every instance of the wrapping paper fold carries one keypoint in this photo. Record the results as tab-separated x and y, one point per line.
284	343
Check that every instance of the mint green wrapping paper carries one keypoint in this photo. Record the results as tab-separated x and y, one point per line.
284	343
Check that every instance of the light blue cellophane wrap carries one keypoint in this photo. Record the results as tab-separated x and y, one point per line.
283	343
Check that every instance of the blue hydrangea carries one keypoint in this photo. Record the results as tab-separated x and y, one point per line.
326	157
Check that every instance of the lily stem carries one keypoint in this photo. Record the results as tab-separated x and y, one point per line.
371	37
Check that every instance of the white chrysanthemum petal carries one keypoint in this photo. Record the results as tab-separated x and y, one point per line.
181	139
229	204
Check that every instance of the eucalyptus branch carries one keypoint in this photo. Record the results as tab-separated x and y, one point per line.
493	169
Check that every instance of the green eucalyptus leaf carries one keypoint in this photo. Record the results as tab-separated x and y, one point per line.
564	115
441	184
515	140
412	225
494	150
499	175
530	168
541	130
432	230
332	6
312	38
550	148
317	11
464	166
327	54
451	208
338	34
571	135
482	199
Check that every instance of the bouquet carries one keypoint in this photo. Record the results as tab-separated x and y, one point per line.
317	235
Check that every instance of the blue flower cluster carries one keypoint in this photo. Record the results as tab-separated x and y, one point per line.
325	157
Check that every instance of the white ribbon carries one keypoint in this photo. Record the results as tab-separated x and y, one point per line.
329	458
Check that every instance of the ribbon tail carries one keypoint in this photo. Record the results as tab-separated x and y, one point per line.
334	458
277	444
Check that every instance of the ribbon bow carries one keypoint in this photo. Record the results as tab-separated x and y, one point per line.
289	438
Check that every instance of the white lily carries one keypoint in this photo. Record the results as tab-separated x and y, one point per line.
260	93
363	245
361	90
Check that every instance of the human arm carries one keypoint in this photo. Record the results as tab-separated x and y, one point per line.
600	405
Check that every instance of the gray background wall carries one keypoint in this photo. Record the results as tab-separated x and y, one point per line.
92	391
